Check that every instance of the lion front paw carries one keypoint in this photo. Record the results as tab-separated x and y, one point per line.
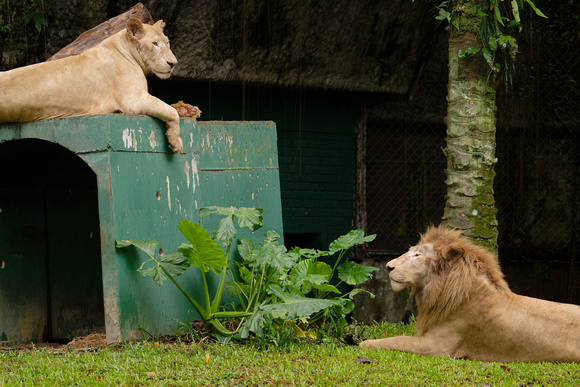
176	146
368	344
186	110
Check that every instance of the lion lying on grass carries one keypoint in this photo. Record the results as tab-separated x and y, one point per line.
466	309
107	78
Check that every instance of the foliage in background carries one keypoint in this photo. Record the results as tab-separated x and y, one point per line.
273	285
499	20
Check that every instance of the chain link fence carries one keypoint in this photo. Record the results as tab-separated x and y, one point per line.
538	171
538	133
405	182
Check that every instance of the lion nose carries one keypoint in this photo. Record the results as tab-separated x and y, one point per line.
171	64
390	268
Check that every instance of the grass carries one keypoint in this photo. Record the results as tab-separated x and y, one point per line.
292	363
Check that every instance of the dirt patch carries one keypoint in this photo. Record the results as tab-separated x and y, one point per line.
98	340
94	340
91	341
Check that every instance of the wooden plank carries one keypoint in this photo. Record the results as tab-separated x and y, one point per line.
99	33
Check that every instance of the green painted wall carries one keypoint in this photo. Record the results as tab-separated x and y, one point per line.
316	148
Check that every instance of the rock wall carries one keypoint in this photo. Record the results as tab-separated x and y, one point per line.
361	45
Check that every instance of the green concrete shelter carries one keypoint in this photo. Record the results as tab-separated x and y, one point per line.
70	187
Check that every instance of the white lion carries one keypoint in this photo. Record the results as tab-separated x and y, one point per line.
106	78
466	309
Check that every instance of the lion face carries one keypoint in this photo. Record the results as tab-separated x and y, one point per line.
411	268
153	47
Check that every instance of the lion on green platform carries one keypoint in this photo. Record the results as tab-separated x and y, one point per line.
106	78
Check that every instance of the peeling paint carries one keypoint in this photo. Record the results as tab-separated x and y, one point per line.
186	169
191	140
168	194
129	140
152	141
194	174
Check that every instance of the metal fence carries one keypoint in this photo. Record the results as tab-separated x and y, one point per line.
538	137
405	182
537	143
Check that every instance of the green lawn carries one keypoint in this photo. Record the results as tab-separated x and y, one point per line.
293	363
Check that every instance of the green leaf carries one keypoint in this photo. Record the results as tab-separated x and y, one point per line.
225	231
356	291
271	236
175	264
310	272
443	15
346	306
353	238
256	323
296	306
487	55
276	256
492	43
536	9
470	51
148	247
311	253
493	4
324	268
203	250
37	18
353	273
247	217
250	217
225	211
247	250
120	243
246	274
235	288
516	10
326	288
204	259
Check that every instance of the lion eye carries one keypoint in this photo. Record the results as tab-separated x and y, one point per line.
155	44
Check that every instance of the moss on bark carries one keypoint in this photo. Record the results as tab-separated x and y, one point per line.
471	128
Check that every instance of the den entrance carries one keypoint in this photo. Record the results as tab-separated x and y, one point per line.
51	285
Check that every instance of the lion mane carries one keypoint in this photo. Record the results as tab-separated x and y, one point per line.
452	276
466	309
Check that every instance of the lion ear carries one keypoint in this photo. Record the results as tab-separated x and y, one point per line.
135	28
452	252
160	24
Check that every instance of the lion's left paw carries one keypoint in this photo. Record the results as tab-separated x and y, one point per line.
186	110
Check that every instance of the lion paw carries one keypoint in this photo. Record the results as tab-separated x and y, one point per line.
368	344
186	110
176	146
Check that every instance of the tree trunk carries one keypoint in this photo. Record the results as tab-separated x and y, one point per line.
470	150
